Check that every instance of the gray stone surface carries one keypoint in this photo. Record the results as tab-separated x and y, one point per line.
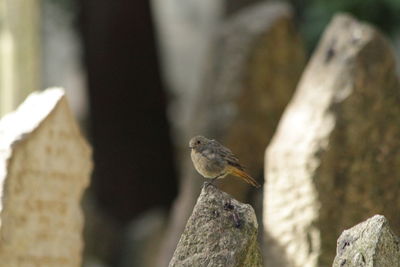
334	159
220	232
252	72
371	244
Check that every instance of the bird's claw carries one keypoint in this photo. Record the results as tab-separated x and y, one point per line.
207	184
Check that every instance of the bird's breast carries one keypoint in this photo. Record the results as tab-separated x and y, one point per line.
208	166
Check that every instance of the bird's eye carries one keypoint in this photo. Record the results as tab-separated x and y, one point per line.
198	142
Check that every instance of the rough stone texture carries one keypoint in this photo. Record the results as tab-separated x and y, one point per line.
220	232
253	70
44	167
371	244
334	160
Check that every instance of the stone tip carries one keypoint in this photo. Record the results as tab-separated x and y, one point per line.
220	232
363	243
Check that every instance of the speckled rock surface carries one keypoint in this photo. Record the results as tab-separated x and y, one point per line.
335	157
220	232
371	244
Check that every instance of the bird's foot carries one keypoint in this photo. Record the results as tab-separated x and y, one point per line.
213	180
207	184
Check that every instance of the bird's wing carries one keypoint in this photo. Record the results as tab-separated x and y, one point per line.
226	154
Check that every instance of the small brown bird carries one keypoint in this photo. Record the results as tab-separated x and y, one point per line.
214	161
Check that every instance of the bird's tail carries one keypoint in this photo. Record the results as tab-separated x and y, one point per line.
243	175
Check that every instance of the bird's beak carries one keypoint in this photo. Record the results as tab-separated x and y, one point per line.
190	147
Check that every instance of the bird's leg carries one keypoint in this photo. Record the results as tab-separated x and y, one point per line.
213	179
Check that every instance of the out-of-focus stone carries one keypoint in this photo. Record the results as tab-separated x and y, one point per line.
256	64
45	165
334	158
251	74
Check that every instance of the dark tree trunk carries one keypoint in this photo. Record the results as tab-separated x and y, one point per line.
134	167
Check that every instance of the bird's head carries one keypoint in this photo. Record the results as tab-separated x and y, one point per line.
198	142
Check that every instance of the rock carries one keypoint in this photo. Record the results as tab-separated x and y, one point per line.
45	165
256	61
334	158
370	243
220	232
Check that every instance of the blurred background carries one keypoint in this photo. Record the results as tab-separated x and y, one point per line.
141	78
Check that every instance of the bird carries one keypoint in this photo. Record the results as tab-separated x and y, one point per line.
215	161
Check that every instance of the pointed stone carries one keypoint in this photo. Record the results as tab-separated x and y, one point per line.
45	165
371	243
334	159
220	232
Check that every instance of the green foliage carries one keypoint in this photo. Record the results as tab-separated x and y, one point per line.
316	14
67	5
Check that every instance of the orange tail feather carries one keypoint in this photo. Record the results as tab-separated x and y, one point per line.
243	175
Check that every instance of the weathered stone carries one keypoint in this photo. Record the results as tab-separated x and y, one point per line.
44	167
371	243
334	159
220	232
253	70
